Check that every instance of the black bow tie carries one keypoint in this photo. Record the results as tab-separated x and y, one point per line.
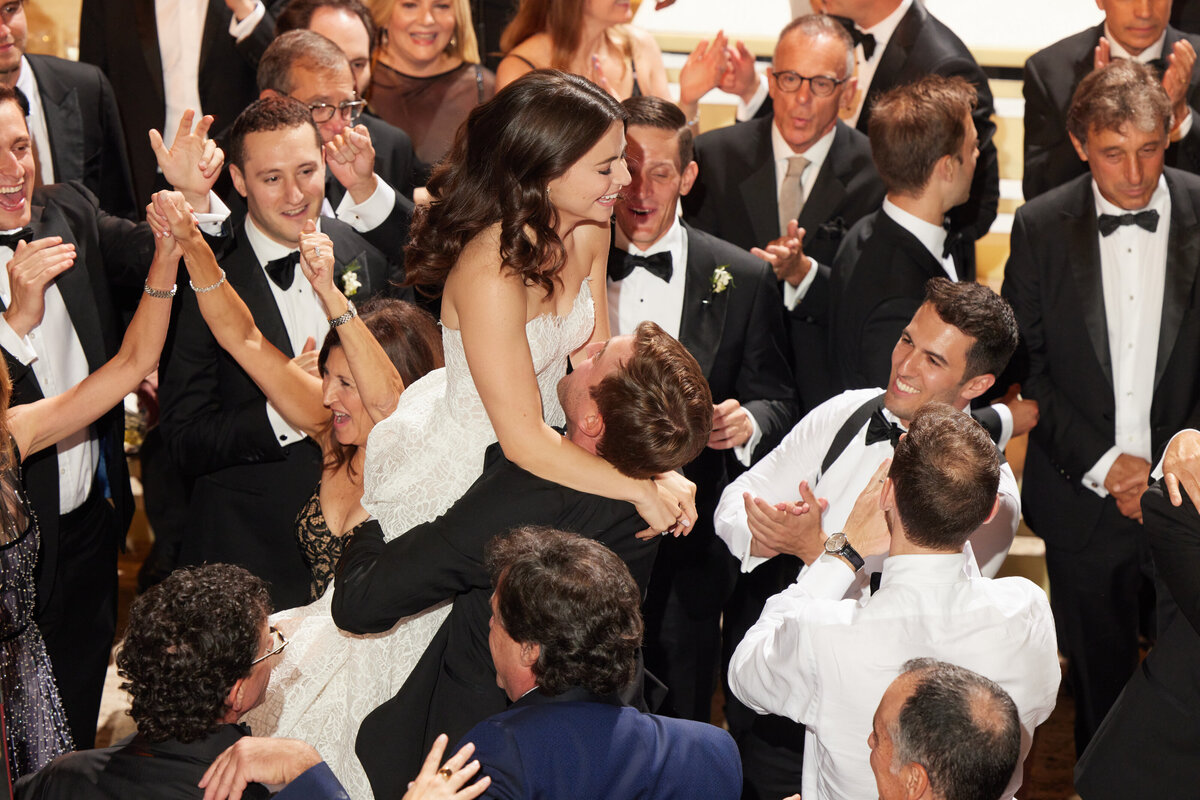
880	430
867	40
283	270
620	264
1147	220
10	240
952	241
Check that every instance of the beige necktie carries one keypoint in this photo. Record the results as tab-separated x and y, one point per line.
791	195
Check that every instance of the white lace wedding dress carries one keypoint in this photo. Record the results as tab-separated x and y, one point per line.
418	462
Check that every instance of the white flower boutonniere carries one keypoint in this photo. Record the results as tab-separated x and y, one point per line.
719	282
350	282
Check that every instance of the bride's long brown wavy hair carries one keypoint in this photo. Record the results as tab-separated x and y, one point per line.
503	158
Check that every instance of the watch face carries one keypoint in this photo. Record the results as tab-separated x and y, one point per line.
835	542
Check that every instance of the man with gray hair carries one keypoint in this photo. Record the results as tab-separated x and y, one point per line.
1103	279
943	732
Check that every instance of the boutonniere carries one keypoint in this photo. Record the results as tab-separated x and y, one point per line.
350	282
719	282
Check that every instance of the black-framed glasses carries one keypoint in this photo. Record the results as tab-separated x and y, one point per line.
278	642
820	85
350	111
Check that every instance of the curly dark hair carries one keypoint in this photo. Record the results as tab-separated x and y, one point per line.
408	334
657	408
189	640
981	314
503	158
576	600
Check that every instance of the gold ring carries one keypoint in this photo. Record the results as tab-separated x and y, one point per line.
445	772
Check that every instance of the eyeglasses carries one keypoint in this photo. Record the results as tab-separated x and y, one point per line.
278	642
350	111
820	85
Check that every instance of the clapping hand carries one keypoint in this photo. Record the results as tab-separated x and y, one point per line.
350	156
786	255
1177	77
789	527
32	267
703	70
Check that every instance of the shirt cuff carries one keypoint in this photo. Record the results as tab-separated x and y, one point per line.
240	30
743	452
1184	128
792	295
1094	477
19	347
746	111
828	577
285	434
370	213
1006	424
213	223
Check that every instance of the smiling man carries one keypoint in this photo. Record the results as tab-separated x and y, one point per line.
253	470
1102	278
667	271
950	352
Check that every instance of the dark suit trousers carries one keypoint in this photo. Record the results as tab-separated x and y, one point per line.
79	618
1098	595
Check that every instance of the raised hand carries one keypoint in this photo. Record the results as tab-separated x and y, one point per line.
740	77
1178	76
165	243
866	528
307	360
703	70
172	209
193	161
1102	54
32	267
350	156
317	264
786	255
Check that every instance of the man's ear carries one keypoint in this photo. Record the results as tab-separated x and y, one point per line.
945	168
592	424
233	700
239	180
689	177
1078	145
976	386
530	652
995	507
849	90
915	780
887	495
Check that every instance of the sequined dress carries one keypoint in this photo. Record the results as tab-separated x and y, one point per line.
36	727
418	462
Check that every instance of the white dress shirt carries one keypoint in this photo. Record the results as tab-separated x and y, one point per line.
1133	267
933	237
816	154
303	315
36	120
644	296
826	662
798	457
54	353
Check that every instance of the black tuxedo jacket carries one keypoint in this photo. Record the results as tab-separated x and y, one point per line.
121	38
109	251
878	283
86	140
1054	284
735	199
1149	744
248	486
453	686
1051	76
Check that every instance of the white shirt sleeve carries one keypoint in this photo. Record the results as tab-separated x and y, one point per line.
213	222
991	541
240	30
19	347
370	213
1094	477
285	434
743	453
792	295
1006	424
746	111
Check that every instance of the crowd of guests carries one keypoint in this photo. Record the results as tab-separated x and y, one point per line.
761	444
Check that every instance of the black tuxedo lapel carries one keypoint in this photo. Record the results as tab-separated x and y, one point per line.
1082	241
74	286
348	249
703	319
247	276
893	59
147	32
829	190
759	193
1183	253
60	104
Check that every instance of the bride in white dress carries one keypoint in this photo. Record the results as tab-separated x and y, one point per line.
517	236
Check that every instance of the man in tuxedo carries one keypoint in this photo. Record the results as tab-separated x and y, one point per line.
1137	31
346	23
253	470
951	351
312	69
924	146
1148	742
72	118
898	42
1102	277
639	401
789	184
565	631
64	258
667	271
163	58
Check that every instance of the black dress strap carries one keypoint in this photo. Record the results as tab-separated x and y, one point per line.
849	429
479	83
523	58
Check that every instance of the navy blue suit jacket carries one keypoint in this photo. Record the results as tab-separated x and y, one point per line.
583	746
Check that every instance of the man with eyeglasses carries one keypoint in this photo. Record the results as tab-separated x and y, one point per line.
310	68
788	186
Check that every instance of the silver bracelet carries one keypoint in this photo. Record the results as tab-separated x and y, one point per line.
205	289
161	294
351	313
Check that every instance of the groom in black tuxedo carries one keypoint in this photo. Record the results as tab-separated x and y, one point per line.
254	471
641	403
725	307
